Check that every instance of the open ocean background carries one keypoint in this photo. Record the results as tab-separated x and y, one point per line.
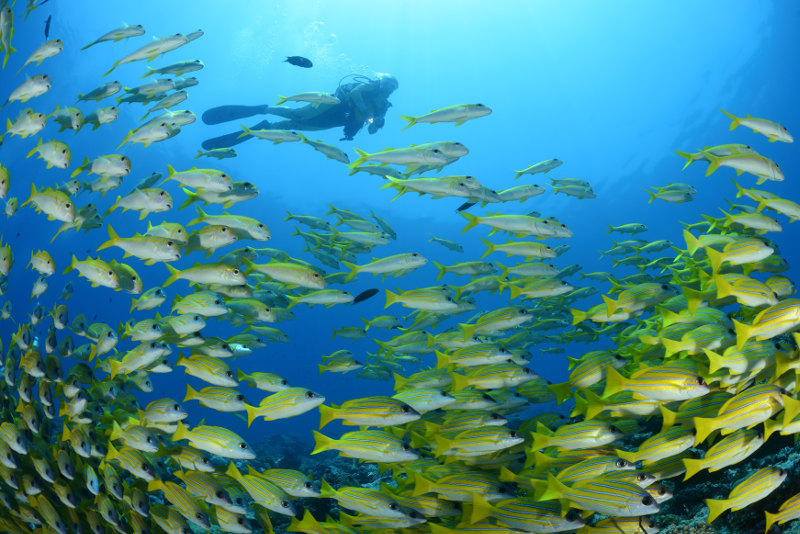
610	88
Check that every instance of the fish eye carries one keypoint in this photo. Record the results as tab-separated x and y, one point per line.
176	407
284	382
310	395
700	381
229	374
199	515
236	271
647	500
205	461
393	506
612	428
148	439
641	477
243	446
662	491
405	408
621	463
239	397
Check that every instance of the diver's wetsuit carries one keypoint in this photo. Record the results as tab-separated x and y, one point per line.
358	103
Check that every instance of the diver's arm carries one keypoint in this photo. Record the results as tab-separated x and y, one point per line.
351	127
222	114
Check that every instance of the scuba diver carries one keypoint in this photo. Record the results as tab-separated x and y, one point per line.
362	101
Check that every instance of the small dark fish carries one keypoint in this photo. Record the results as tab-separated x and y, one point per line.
466	206
299	61
47	27
364	295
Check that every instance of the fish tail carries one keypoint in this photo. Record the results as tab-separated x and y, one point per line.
181	432
191	394
282	99
115	367
201	216
173	275
561	391
411	121
578	316
468	330
715	258
252	414
713	163
740	191
391	298
615	382
321	442
113	238
442	269
490	247
555	489
689	157
399	381
9	50
442	360
83	166
716	506
233	471
611	305
34	149
191	197
472	220
671	346
735	121
116	431
150	70
691	242
33	194
515	291
245	131
125	140
353	270
421	485
114	66
361	159
714	360
743	332
704	426
652	195
692	466
326	415
791	407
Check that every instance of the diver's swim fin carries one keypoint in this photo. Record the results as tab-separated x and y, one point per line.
222	114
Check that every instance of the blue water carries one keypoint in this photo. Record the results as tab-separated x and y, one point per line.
609	88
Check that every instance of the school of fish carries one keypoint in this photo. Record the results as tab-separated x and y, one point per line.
701	338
